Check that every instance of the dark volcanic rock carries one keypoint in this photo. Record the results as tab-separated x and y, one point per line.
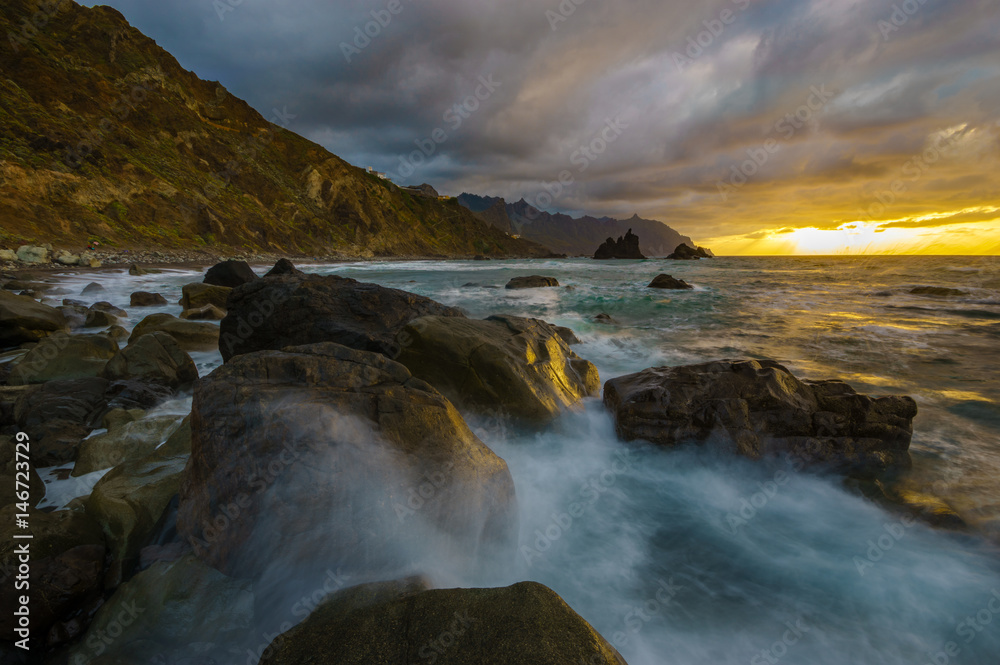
231	274
291	310
23	319
146	299
687	253
626	247
321	448
284	267
58	415
523	368
67	560
758	408
668	282
532	282
392	623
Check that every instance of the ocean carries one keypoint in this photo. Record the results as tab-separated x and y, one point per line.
690	557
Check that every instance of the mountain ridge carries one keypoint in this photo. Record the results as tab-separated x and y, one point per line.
574	236
105	137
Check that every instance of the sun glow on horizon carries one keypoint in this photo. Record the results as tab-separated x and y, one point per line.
904	236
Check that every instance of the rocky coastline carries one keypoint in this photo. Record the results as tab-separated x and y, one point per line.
336	431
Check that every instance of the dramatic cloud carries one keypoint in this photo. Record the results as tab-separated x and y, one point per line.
735	121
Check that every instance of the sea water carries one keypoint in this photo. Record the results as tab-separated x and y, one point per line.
689	557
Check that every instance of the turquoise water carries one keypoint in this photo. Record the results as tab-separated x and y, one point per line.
662	561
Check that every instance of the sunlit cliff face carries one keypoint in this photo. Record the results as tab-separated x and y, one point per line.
754	126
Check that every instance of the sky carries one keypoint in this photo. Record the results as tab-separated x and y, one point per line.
754	126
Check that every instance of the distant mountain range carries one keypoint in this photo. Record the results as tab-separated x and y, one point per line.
105	137
568	235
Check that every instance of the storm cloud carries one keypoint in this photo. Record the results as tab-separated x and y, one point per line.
733	117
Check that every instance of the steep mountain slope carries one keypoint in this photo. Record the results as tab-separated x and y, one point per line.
103	136
573	236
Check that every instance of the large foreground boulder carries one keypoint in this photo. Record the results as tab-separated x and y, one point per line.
230	273
23	319
398	624
521	367
328	454
66	561
190	335
758	408
62	357
293	310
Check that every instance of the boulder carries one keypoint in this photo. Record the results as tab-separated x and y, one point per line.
276	312
284	267
626	247
137	271
62	357
759	409
176	612
522	367
24	319
92	288
198	295
129	502
67	563
155	358
399	623
320	449
67	258
107	307
9	473
8	255
139	393
532	282
231	274
98	319
76	316
190	335
147	299
117	417
58	415
32	254
668	282
206	313
116	333
683	252
605	318
128	442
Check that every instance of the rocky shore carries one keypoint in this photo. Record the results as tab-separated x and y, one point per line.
333	445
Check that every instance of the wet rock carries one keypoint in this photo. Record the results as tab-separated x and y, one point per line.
190	335
758	408
62	357
147	299
206	313
284	267
532	282
58	415
128	442
199	295
154	358
67	562
92	288
231	274
23	320
605	318
76	316
520	367
99	319
392	623
178	613
128	503
319	447
116	333
668	282
285	311
108	308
